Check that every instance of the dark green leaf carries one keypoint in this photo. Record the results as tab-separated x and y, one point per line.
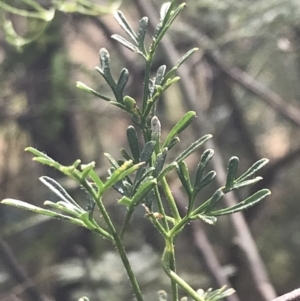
146	172
112	161
205	158
192	148
147	151
142	32
126	155
249	202
168	20
122	81
246	183
119	16
213	201
173	142
252	170
160	161
179	63
160	75
156	132
205	181
125	43
142	191
145	157
105	68
133	141
231	172
184	176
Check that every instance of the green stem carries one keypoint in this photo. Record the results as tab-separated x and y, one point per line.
161	208
170	200
121	250
178	280
146	82
172	265
178	226
117	242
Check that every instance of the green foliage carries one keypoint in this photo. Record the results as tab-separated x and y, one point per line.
138	175
34	12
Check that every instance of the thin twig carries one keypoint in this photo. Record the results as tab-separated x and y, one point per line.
291	296
18	273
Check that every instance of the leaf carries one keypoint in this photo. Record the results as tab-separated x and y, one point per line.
86	169
252	170
167	170
156	132
126	43
249	202
150	199
105	67
147	151
142	191
35	209
182	124
125	200
167	22
86	88
184	176
145	157
142	33
211	220
179	63
246	183
160	75
231	172
123	171
126	155
93	175
193	147
65	207
160	161
205	181
143	177
173	142
58	190
205	158
214	200
123	187
119	16
122	81
112	161
39	154
163	10
133	141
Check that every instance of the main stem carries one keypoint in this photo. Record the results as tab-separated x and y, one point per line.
172	274
172	264
121	250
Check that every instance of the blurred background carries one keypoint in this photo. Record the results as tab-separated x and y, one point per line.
244	84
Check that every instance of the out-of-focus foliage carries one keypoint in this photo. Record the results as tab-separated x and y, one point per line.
39	14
